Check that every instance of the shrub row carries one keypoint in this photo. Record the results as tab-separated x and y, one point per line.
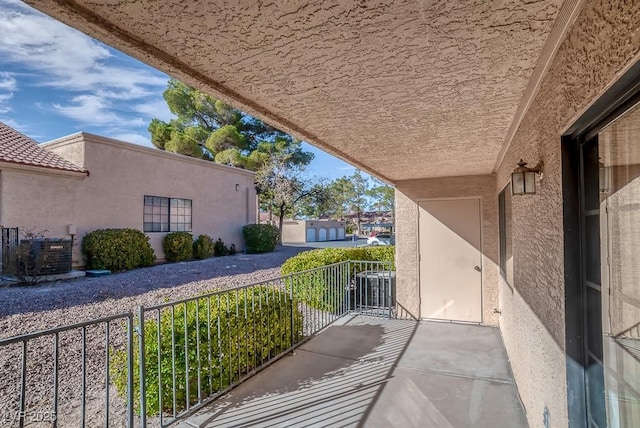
179	246
312	287
242	340
124	249
326	256
260	238
117	249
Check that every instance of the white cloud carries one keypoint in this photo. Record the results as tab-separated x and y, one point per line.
101	86
96	111
71	59
133	138
10	122
157	108
8	85
8	81
4	107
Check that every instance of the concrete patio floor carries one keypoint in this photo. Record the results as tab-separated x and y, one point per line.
376	372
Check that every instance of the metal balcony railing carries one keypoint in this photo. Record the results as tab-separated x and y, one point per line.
155	365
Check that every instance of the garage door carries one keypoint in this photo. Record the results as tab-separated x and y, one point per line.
311	235
341	233
322	234
332	234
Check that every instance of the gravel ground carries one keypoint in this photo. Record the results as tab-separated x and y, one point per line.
27	309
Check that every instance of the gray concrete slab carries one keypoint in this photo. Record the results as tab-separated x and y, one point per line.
379	373
459	349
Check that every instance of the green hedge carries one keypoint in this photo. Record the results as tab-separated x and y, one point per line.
255	329
260	238
203	247
311	287
178	246
117	249
326	256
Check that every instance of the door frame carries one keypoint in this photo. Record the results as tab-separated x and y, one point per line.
620	97
482	267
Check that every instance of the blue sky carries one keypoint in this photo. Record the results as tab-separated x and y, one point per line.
55	81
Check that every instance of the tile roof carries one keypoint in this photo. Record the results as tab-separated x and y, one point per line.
20	149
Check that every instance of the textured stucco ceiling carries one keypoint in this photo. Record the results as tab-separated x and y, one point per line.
403	89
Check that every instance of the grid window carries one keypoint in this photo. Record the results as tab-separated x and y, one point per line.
167	214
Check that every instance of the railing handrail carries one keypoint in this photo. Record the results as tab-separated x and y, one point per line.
39	333
60	329
242	287
330	295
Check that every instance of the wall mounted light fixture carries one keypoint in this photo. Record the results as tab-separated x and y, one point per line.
523	179
237	187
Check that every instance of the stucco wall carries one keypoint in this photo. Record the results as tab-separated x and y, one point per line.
294	231
603	41
122	174
408	194
37	201
537	359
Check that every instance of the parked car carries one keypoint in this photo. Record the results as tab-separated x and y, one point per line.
380	239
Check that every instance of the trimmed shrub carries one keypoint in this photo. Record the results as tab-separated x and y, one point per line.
237	342
311	287
219	249
178	246
232	250
326	256
260	238
117	249
203	247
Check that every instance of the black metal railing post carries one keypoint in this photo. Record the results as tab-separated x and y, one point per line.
142	368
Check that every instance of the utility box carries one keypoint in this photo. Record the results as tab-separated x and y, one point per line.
375	289
45	256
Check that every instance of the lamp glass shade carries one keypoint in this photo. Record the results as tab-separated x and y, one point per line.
517	183
529	183
523	183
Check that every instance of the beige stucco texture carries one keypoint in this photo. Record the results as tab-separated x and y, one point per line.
440	98
440	80
408	194
602	43
41	202
301	231
112	196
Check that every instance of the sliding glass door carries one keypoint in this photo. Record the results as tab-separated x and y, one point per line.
618	178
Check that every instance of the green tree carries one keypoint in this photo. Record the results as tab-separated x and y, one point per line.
207	128
279	180
356	193
382	197
342	190
320	202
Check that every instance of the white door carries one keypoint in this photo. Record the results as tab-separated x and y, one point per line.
450	260
332	234
311	235
322	234
341	233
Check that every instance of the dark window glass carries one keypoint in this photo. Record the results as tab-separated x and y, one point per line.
504	225
166	214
